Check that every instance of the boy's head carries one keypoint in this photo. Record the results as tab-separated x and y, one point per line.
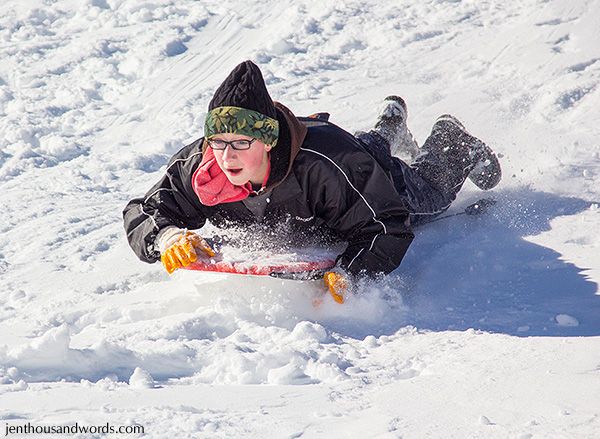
241	111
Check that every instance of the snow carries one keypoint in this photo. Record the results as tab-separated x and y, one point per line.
566	320
489	328
141	379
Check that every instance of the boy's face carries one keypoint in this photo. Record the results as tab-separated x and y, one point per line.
242	166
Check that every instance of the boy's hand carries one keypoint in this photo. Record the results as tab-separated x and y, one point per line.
183	251
337	284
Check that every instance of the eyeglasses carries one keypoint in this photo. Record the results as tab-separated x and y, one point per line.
238	145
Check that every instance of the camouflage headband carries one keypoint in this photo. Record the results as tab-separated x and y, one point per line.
241	121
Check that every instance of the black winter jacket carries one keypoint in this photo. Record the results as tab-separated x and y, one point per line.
322	183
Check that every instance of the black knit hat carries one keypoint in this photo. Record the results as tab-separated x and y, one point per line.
245	88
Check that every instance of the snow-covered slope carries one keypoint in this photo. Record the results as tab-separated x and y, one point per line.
491	326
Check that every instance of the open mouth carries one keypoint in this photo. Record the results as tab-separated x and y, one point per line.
234	171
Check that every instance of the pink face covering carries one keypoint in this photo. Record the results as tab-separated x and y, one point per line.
212	185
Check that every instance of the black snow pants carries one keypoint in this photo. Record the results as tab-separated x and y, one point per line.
431	182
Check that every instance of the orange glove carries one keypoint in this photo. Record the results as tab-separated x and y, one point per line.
337	285
183	251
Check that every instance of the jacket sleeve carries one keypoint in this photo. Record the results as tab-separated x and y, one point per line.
170	202
359	202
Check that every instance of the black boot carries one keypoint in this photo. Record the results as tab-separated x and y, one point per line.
486	172
391	125
451	154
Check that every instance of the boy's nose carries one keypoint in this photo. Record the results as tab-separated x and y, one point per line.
229	152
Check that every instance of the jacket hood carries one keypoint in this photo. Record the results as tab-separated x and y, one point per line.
291	136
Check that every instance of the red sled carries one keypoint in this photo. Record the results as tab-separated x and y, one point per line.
292	270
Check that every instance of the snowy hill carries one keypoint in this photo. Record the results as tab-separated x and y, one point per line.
490	327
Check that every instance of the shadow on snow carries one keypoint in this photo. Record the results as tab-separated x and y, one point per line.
481	272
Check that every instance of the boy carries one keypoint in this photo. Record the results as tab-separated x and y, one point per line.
261	167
